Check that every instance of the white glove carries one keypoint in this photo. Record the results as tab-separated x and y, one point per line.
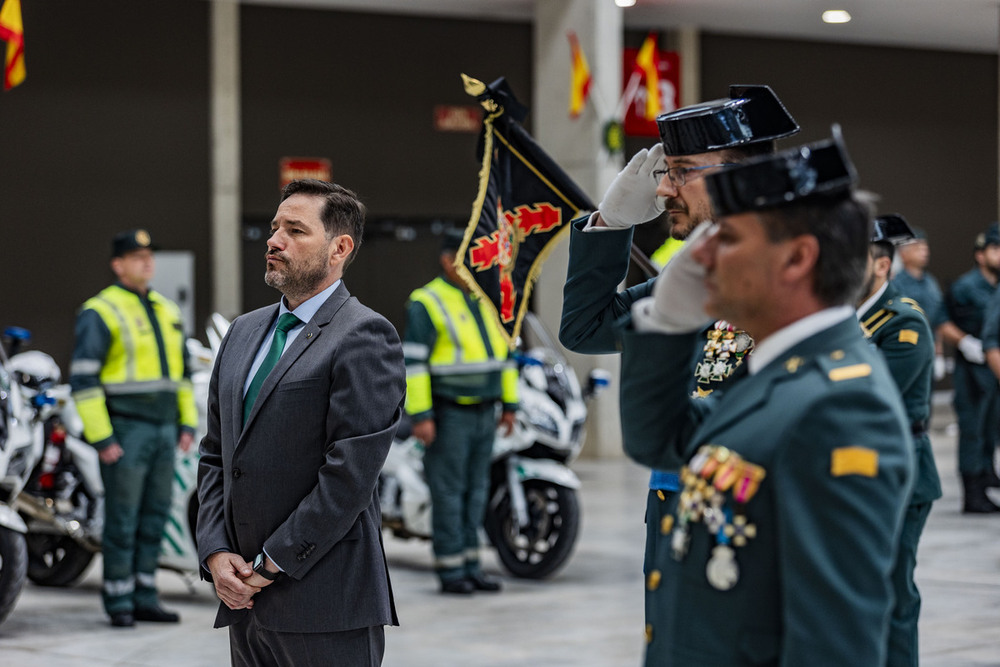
972	349
940	367
679	293
631	199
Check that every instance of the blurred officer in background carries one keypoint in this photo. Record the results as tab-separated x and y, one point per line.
965	304
898	327
131	383
457	374
917	283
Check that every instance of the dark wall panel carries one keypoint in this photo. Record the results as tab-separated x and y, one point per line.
921	126
109	131
360	90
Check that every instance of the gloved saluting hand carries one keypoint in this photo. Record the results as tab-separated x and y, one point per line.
679	294
631	199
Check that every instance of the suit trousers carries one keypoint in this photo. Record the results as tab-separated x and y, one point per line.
251	645
457	464
137	489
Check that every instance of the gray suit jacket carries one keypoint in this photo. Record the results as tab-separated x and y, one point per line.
299	479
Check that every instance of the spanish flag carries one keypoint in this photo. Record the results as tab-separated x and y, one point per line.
648	62
12	32
579	86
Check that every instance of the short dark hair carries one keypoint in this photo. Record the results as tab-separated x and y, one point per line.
343	212
843	227
747	151
881	249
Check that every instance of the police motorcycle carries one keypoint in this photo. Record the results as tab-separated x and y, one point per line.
20	449
533	515
62	502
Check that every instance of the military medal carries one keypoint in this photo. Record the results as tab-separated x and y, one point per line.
714	476
722	570
724	350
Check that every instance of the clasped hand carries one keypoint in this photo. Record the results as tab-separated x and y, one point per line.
235	581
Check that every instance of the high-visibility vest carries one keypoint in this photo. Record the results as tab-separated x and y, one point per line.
459	349
132	366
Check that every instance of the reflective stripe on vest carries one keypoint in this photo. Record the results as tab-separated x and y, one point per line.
462	350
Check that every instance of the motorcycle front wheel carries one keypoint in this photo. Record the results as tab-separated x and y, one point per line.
545	544
13	566
56	560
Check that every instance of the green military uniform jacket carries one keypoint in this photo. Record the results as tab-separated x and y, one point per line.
598	263
899	328
817	447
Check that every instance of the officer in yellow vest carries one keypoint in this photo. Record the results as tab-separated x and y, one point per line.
132	388
457	372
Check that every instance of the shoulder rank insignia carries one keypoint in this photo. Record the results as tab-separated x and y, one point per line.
850	372
854	461
913	303
873	323
909	336
793	363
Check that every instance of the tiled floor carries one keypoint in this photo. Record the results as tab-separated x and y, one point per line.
588	614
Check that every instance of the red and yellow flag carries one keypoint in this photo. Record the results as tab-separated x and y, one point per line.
648	61
579	86
12	32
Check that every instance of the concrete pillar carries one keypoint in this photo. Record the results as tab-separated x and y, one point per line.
225	134
689	48
577	146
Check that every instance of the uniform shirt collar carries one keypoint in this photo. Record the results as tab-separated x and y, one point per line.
866	306
783	340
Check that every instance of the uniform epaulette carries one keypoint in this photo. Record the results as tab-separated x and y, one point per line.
873	323
913	304
838	368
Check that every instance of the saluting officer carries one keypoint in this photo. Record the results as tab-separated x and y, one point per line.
898	327
975	384
131	383
457	374
694	141
795	479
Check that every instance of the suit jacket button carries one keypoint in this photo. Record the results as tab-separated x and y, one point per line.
236	473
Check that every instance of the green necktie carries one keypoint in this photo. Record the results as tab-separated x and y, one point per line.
285	322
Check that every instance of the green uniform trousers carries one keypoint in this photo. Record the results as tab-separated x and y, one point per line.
457	464
137	491
976	409
903	647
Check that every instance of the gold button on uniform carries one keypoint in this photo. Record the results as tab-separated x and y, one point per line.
653	581
659	494
667	524
649	633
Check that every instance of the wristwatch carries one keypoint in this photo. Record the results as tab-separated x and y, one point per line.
258	567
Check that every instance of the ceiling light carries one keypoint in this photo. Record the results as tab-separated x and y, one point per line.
625	3
836	16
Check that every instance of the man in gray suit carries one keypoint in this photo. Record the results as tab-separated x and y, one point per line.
304	401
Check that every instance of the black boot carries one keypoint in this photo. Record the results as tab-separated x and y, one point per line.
976	501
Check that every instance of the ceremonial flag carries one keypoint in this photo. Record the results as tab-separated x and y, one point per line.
12	32
579	85
523	207
648	62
